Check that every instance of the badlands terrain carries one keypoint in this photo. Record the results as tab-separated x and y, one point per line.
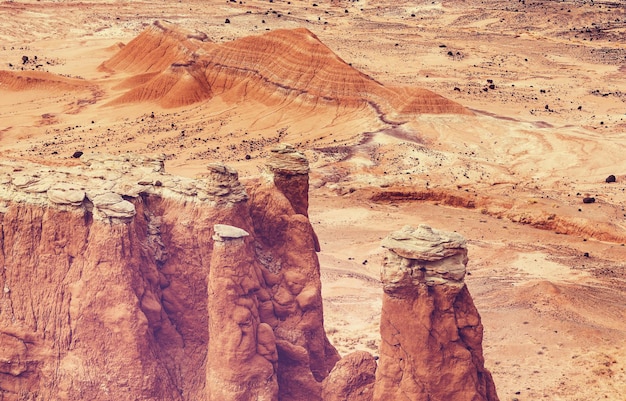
493	119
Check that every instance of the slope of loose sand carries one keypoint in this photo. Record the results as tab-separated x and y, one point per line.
545	87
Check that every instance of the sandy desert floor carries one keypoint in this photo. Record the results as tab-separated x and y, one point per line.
546	84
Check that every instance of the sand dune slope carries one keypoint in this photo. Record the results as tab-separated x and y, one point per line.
179	85
35	80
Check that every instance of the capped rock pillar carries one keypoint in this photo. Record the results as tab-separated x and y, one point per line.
290	169
241	359
431	348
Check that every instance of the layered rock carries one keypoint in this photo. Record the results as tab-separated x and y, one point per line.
431	346
120	281
172	68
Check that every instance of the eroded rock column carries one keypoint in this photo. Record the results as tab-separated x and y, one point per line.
431	348
241	361
286	250
290	170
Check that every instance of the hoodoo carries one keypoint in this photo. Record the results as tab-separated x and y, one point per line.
242	354
431	346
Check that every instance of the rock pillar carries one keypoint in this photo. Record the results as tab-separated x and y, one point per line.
241	359
431	348
290	169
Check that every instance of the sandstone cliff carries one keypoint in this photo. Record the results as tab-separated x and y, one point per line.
293	304
431	332
122	282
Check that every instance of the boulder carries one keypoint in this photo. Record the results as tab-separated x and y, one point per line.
352	378
225	232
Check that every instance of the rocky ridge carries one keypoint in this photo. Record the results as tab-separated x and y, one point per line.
105	185
173	68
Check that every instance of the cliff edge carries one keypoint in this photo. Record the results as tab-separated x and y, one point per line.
120	281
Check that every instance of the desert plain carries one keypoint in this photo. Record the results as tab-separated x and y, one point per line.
541	94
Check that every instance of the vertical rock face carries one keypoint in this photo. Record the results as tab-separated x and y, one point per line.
431	346
242	350
119	281
291	303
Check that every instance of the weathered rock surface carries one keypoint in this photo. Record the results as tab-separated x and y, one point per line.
352	378
292	304
431	346
119	281
242	357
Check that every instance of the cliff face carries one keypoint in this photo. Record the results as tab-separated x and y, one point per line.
119	281
431	346
293	304
122	282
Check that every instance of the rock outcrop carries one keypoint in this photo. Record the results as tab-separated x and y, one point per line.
352	378
431	346
292	302
120	281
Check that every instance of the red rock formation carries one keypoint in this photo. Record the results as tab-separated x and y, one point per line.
352	378
122	282
242	350
431	333
292	304
114	288
175	68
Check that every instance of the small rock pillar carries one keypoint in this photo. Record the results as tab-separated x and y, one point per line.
241	358
291	176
